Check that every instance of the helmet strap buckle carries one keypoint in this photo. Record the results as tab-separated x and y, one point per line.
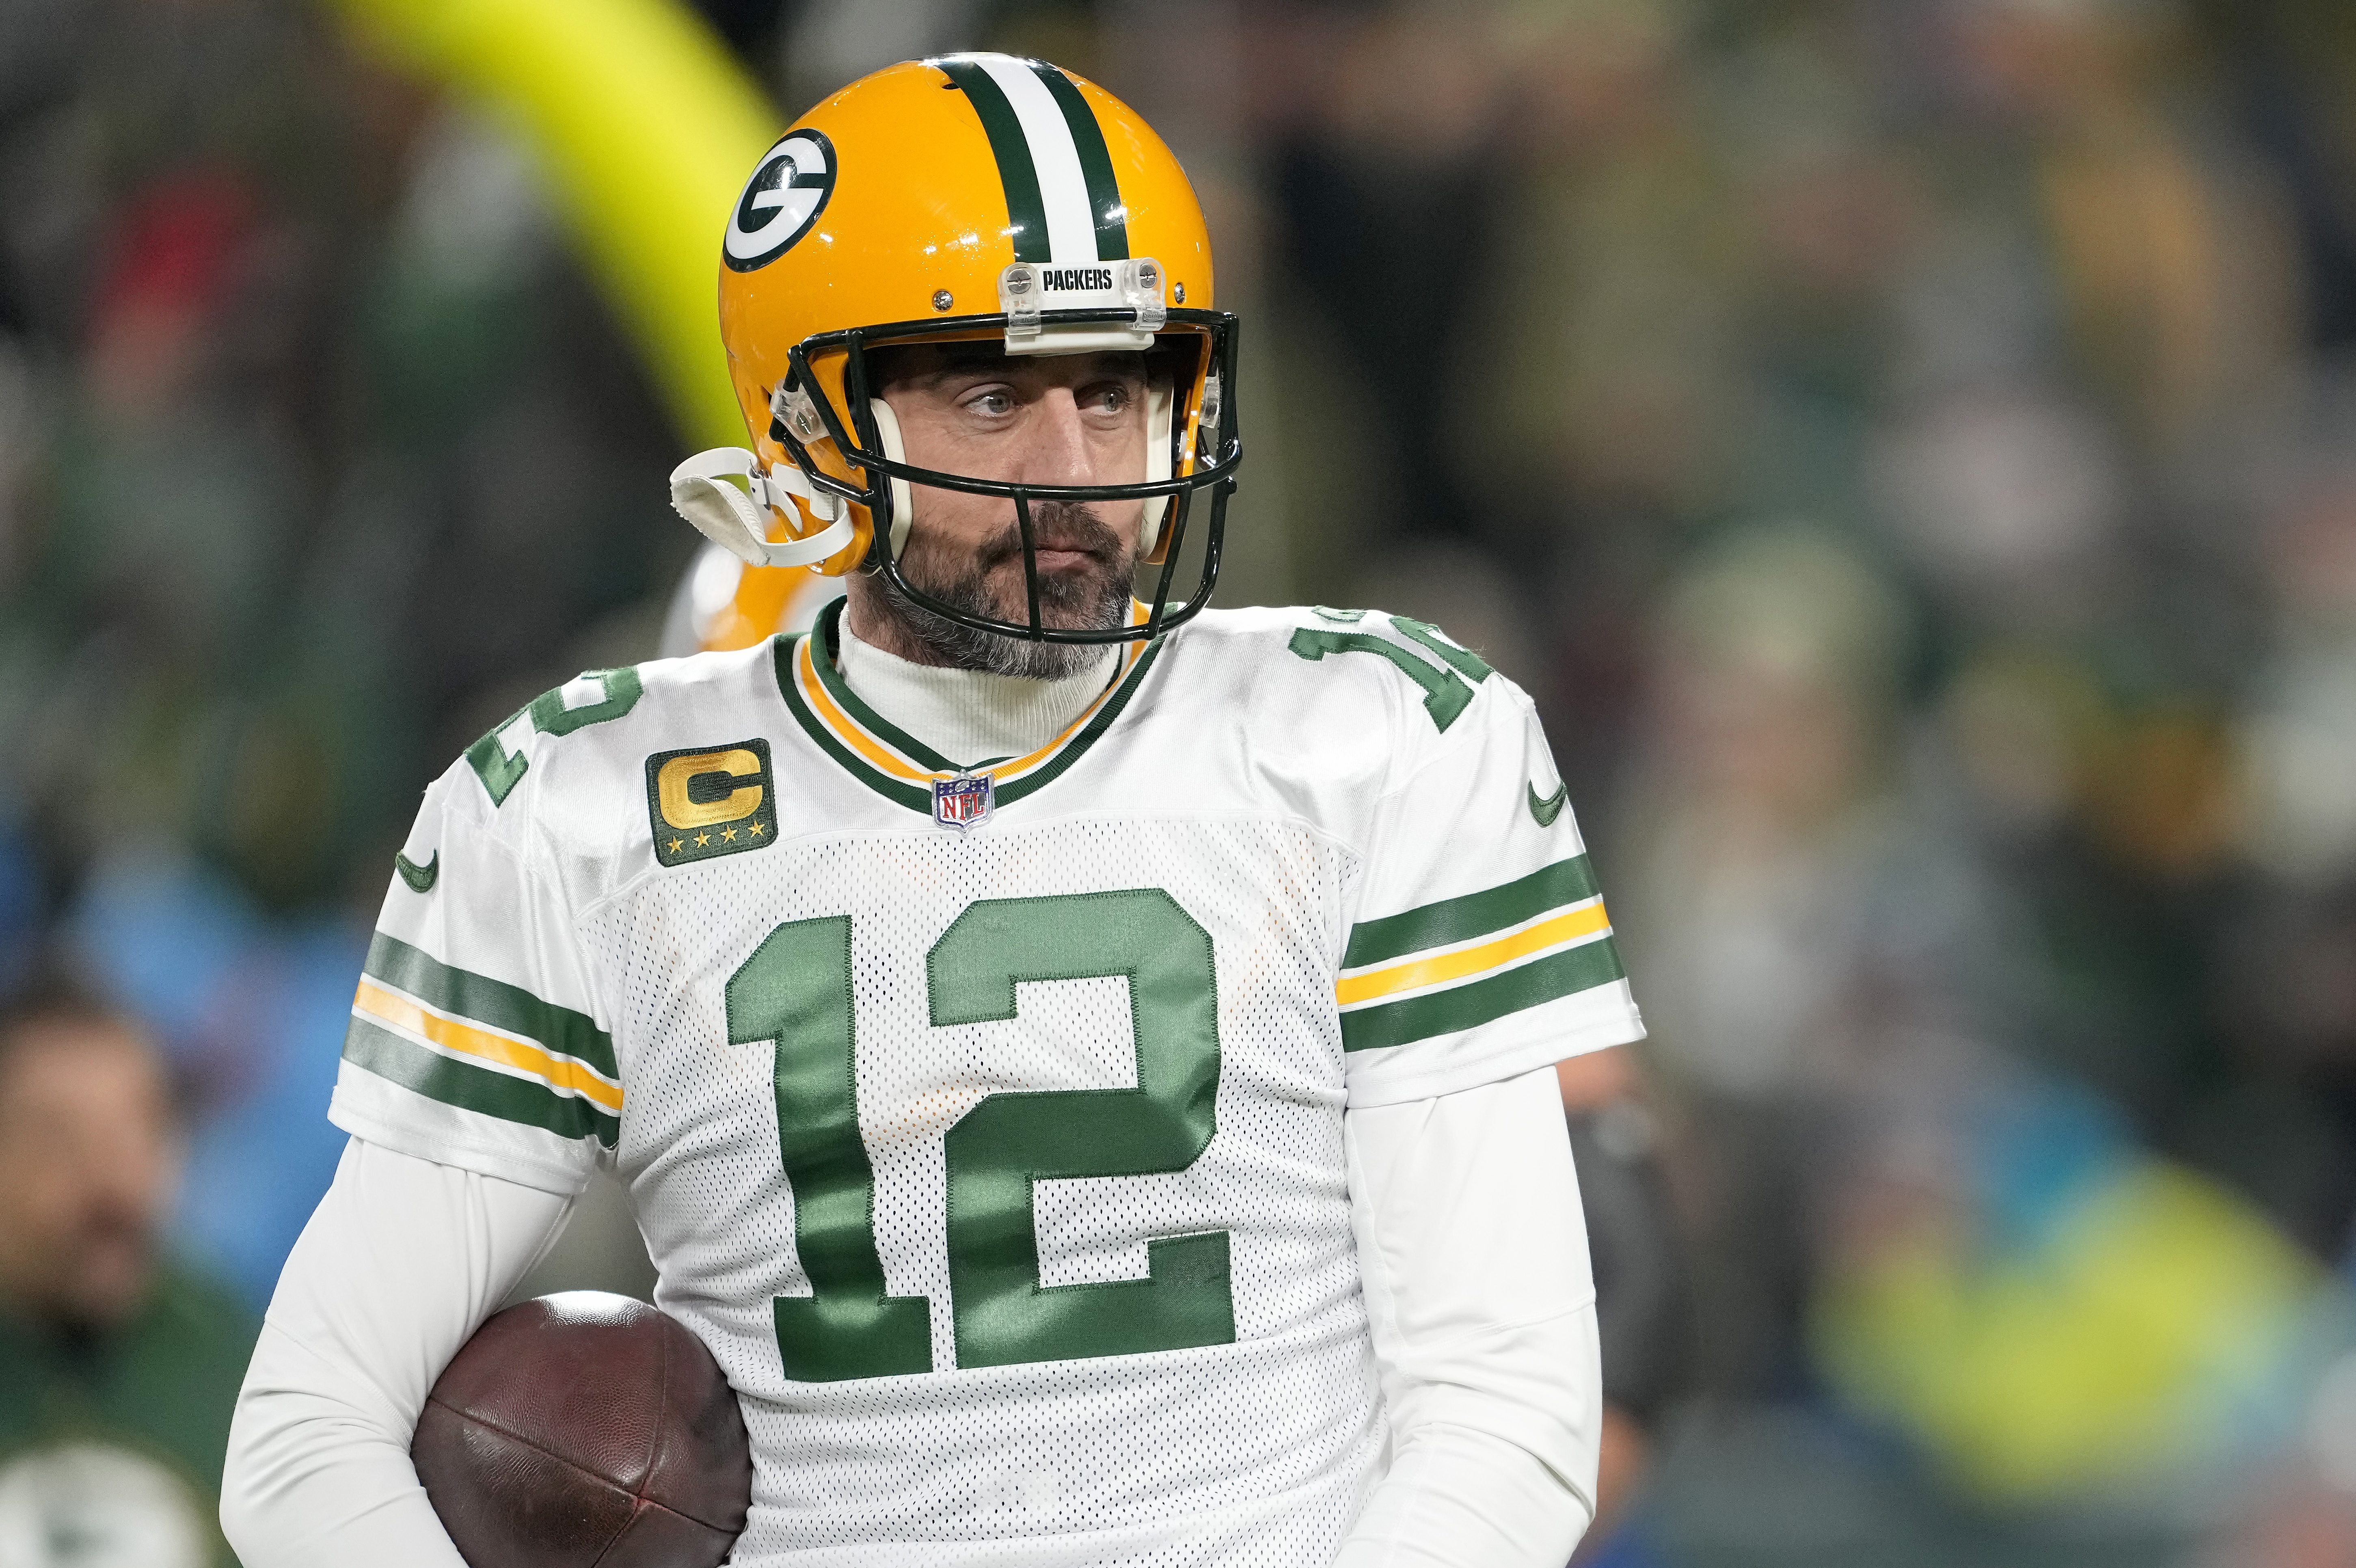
738	519
793	407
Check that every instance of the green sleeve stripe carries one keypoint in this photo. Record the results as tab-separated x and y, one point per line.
1472	914
476	1088
1565	973
483	1000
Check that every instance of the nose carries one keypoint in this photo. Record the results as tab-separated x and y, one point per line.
1062	454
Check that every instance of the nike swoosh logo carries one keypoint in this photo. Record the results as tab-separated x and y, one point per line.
421	878
1548	809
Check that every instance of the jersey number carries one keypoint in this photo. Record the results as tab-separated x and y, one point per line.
1444	695
796	989
501	769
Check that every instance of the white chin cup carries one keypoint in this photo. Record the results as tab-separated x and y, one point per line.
904	503
734	520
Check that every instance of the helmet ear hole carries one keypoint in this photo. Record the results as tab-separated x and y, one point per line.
1160	402
903	499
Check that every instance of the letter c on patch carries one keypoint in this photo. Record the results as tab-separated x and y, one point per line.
708	774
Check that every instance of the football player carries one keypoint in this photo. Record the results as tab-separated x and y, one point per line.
1082	1062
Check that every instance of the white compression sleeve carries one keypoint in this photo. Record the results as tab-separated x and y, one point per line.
400	1264
1481	1304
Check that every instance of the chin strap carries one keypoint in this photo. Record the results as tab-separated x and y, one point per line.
734	521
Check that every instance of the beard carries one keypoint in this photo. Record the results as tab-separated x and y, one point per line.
1092	597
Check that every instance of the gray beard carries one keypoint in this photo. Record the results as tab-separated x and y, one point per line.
1094	601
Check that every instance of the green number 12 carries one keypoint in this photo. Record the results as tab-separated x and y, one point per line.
796	989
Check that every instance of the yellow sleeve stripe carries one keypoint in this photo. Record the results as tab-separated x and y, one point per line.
1466	962
374	1002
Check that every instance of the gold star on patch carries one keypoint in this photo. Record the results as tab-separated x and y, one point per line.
755	830
675	844
728	835
703	839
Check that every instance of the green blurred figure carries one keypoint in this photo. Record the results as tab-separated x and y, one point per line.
117	1368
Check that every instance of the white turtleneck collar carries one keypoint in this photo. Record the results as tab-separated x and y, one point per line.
968	715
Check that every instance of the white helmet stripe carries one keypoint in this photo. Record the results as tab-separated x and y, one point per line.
1063	189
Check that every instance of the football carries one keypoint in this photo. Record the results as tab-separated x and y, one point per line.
586	1428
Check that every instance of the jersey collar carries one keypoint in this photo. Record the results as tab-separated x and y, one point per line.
898	766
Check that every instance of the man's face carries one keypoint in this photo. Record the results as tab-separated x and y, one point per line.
88	1162
1052	420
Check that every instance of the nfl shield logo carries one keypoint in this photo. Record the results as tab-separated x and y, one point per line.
964	801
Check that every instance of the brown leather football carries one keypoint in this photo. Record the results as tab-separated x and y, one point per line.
586	1428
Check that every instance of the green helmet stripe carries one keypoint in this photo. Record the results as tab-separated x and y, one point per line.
1026	213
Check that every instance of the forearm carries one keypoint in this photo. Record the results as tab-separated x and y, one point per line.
401	1262
315	1475
1455	1497
1481	1308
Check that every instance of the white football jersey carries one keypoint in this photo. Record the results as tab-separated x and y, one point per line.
986	1123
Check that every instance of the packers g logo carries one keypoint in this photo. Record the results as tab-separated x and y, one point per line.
782	199
716	800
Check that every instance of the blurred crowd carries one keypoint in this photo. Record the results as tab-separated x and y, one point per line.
1908	447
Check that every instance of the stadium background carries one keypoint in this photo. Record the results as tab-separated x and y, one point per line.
1907	446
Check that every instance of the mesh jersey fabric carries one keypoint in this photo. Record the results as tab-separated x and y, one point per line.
1069	1277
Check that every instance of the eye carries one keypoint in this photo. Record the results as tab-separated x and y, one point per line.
1112	398
991	402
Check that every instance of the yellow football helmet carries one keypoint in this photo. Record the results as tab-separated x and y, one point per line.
967	198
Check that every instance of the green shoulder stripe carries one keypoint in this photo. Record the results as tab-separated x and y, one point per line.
1472	914
1565	973
483	1000
476	1088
